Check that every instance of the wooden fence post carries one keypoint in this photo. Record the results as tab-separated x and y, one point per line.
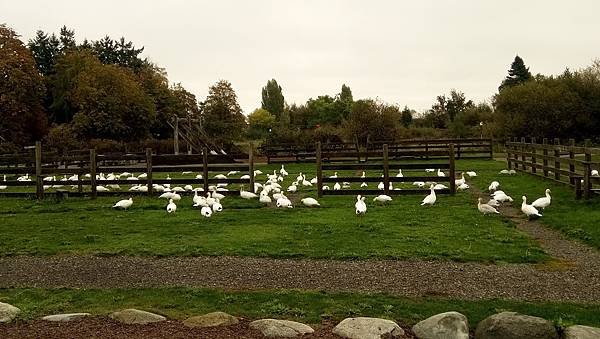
205	168
556	163
319	170
491	148
533	157
39	184
251	165
545	153
93	173
523	149
507	149
452	173
578	189
149	169
572	161
386	170
587	175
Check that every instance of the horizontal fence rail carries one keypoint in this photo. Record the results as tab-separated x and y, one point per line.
416	148
80	171
567	164
385	166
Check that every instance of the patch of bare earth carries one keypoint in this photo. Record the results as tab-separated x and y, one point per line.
102	327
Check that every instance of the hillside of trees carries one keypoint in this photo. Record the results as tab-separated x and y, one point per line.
74	95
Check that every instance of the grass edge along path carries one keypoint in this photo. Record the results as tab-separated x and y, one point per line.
307	306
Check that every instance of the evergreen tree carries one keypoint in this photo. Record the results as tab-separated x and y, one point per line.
517	74
406	117
346	94
272	98
45	49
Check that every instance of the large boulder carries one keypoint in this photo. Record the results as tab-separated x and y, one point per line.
133	316
211	319
581	332
368	328
512	325
8	312
280	328
449	325
65	317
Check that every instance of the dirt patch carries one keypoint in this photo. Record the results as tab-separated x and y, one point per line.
102	327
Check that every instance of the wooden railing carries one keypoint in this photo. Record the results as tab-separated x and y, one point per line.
464	149
87	167
568	164
385	166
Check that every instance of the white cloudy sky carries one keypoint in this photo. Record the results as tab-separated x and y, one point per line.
403	52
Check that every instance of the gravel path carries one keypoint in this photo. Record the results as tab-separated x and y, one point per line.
574	276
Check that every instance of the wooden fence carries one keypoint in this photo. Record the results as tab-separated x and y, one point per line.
91	164
385	166
464	149
567	164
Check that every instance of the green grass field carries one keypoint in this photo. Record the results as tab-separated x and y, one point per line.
307	306
452	229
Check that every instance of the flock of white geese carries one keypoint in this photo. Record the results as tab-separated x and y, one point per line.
271	191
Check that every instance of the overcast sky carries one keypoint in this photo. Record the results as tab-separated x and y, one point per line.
403	52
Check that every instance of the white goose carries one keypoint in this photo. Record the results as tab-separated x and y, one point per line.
3	187
293	187
246	194
217	207
124	204
460	181
399	175
501	196
430	199
206	211
440	173
360	206
337	186
310	202
264	198
283	172
171	207
382	198
284	202
305	182
493	186
471	174
485	208
529	210
543	202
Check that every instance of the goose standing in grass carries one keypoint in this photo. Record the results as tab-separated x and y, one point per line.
460	181
440	187
101	188
471	174
380	186
206	211
230	173
124	204
283	172
399	175
246	194
430	199
305	182
485	208
198	200
493	186
595	173
171	207
337	186
3	187
419	184
543	202
529	210
440	173
264	198
334	176
217	207
284	202
142	176
360	206
462	187
364	184
504	171
512	172
310	202
299	178
293	187
382	198
314	181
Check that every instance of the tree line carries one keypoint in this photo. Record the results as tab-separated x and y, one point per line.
73	94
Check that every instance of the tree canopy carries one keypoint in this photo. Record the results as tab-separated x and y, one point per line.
517	74
272	98
222	117
22	116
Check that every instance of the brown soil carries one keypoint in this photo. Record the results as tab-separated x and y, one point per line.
102	327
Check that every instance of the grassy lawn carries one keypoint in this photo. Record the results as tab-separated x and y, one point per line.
452	229
307	306
577	219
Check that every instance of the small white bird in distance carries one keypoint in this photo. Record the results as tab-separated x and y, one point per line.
310	202
382	198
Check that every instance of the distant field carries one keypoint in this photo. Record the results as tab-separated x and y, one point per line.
453	229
